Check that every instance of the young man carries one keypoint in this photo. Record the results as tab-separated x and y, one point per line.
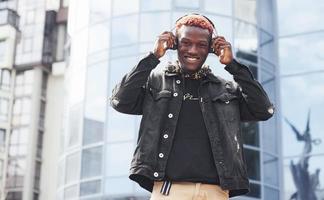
189	144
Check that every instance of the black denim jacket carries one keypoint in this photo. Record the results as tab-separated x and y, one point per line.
158	94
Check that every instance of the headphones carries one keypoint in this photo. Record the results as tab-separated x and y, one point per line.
214	33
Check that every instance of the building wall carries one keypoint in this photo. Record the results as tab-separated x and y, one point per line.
107	40
301	34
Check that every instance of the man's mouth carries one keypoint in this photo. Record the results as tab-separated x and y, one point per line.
191	58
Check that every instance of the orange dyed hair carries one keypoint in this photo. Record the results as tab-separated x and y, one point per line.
195	20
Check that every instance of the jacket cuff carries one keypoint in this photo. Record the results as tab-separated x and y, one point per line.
150	61
234	67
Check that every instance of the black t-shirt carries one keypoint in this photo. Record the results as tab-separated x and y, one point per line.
191	158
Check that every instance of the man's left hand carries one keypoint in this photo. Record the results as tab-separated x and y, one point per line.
223	49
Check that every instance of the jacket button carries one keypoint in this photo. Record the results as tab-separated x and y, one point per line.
165	136
175	94
156	174
170	115
178	81
161	155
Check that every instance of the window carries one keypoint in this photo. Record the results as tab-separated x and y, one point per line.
72	168
4	103
2	140
23	83
61	40
91	162
39	143
1	168
93	131
18	141
14	196
250	132
121	7
187	3
44	84
15	172
3	46
42	114
4	78
37	175
90	187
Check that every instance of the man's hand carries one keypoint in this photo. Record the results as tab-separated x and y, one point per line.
223	49
163	42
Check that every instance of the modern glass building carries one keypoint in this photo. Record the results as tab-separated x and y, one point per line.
107	39
301	34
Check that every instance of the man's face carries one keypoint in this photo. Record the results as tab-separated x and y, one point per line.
193	47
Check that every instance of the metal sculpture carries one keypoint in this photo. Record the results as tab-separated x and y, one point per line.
306	183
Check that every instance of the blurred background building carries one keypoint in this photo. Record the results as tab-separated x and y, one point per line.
60	59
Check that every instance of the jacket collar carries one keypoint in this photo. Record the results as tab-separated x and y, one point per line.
174	69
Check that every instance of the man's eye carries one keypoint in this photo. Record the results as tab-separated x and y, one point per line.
203	45
185	42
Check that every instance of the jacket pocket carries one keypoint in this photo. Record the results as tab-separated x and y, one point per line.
226	105
225	98
160	94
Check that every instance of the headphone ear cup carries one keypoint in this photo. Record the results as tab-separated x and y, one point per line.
211	49
175	45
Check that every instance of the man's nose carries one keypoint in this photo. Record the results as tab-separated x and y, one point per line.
192	49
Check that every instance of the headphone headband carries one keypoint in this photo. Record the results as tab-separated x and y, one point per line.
214	29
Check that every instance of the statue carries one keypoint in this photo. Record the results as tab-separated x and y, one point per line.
306	183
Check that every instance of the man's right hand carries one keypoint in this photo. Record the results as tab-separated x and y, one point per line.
164	41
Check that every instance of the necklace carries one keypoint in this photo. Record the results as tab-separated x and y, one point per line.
175	68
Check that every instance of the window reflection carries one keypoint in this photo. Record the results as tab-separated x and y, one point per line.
96	88
128	33
255	190
119	68
72	168
99	11
121	7
99	36
266	45
245	36
271	194
74	124
266	8
252	158
129	50
218	6
187	3
294	56
149	5
121	127
246	10
269	134
90	187
71	192
270	164
250	132
93	131
223	26
149	29
112	186
117	164
91	162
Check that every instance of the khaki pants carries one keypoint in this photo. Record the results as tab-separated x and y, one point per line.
189	191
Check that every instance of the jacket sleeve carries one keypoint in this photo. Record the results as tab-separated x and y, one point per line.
254	102
128	95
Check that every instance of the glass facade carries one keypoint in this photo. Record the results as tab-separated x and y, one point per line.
107	40
302	86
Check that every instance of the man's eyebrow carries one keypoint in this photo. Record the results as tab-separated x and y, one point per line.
202	40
